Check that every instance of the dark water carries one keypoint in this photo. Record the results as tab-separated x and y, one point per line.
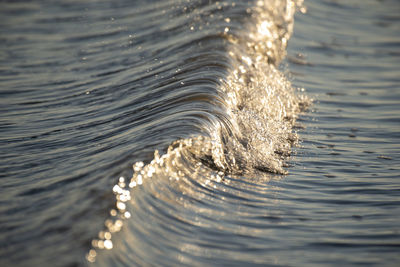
346	180
200	97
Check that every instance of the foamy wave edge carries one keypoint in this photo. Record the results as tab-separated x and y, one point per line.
262	106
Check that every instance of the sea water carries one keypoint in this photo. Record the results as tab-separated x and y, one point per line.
197	133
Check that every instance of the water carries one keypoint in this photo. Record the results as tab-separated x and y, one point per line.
231	165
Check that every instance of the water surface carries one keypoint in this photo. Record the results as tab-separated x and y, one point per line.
231	166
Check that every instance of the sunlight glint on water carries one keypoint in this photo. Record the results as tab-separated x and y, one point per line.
201	99
262	107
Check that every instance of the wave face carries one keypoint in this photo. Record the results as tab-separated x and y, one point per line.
189	92
193	203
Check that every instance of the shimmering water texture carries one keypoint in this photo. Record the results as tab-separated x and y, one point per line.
178	133
252	135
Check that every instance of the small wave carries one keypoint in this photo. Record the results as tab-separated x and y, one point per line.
253	134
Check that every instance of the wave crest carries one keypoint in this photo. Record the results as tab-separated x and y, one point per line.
255	133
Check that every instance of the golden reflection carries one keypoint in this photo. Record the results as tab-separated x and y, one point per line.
108	244
262	105
91	256
264	29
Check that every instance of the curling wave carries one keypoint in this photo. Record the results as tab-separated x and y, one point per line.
245	129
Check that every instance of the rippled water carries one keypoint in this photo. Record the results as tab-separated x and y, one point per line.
345	182
195	95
